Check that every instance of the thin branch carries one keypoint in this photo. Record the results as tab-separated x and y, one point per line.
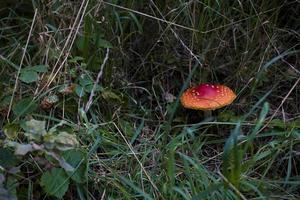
89	103
177	37
150	16
21	63
68	44
281	104
138	160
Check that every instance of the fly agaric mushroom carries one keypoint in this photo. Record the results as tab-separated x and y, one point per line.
207	97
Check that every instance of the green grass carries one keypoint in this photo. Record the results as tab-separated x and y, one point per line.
135	140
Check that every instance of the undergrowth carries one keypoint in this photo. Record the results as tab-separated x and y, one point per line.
90	108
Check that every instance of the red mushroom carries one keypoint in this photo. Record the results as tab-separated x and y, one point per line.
207	97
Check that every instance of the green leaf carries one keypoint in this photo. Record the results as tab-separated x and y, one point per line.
11	130
35	129
89	88
62	162
28	76
25	106
7	158
20	149
23	149
55	182
38	68
78	160
85	80
63	141
79	91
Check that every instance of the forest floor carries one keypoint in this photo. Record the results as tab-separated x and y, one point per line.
90	99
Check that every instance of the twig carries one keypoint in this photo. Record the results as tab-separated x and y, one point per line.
21	63
137	159
232	186
68	44
177	37
89	103
281	104
150	16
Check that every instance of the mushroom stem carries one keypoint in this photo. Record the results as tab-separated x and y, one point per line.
207	113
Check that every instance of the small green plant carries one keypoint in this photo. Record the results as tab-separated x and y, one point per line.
55	151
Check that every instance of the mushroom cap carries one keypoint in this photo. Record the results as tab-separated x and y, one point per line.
207	97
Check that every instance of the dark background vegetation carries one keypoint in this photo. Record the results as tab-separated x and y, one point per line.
136	140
